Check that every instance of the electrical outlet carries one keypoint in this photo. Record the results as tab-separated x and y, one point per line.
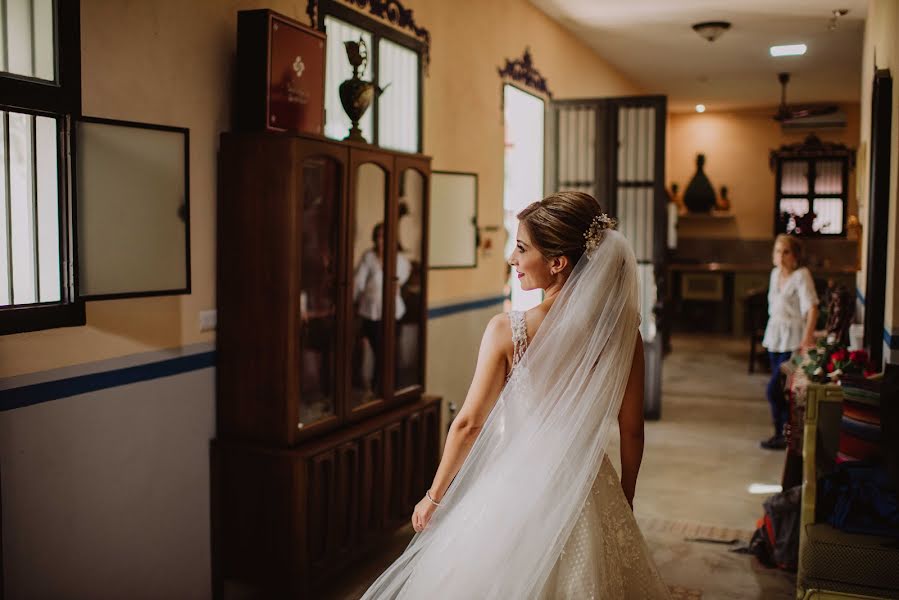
207	320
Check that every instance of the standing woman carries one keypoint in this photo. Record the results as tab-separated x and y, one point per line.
793	312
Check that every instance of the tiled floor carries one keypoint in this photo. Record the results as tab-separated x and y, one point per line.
699	461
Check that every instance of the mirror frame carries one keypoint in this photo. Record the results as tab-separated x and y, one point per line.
185	132
477	231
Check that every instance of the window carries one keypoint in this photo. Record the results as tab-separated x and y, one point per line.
523	116
811	193
395	63
39	99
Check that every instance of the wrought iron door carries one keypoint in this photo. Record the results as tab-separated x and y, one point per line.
614	149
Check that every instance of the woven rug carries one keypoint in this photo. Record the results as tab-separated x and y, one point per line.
696	562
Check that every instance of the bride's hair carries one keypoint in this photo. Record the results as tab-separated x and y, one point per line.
557	223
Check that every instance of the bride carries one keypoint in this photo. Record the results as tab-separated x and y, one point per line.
525	503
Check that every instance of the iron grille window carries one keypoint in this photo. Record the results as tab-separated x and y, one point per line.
39	97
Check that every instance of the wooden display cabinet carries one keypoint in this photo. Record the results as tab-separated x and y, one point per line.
325	438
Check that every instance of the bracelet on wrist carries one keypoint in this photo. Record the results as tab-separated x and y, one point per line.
430	498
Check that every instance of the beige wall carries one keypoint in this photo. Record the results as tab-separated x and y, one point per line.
171	62
880	42
736	145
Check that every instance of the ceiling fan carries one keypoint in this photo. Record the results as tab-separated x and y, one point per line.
799	111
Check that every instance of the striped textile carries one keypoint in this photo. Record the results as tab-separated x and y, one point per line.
860	428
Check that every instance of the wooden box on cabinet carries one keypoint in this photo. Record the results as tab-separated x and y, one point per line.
298	352
280	74
287	520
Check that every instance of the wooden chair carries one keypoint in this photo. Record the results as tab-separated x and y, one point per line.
755	305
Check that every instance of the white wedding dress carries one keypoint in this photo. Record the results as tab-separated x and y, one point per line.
536	510
605	555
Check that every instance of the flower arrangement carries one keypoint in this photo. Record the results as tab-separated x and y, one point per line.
829	360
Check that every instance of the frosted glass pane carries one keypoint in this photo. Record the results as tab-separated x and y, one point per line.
338	70
28	38
44	47
21	189
47	209
794	177
829	215
398	105
523	115
5	257
829	177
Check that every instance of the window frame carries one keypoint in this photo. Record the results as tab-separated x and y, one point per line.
811	195
810	150
378	30
60	99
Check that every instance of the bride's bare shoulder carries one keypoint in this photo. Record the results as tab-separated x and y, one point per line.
498	334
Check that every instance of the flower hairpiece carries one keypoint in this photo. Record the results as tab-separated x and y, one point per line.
594	233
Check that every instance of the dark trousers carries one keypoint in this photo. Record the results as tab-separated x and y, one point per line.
780	411
373	331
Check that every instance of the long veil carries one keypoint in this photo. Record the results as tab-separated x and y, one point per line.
508	513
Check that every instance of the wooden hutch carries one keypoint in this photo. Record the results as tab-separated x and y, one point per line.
325	438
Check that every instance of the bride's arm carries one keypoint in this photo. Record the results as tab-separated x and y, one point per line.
489	377
630	423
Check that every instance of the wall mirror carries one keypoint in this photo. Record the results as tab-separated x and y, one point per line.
453	241
132	209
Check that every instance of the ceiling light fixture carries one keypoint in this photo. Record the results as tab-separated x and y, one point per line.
711	30
840	12
789	50
700	108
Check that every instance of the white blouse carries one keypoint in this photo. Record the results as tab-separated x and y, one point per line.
788	305
368	283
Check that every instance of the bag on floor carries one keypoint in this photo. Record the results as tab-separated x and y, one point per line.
776	541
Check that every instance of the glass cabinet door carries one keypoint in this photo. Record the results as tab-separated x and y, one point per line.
367	236
410	301
319	289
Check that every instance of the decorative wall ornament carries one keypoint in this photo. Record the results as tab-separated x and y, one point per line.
812	147
391	11
700	195
522	70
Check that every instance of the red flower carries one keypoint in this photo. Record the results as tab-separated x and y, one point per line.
831	367
839	355
859	356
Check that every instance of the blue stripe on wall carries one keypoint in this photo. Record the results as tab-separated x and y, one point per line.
452	309
37	393
83	384
892	341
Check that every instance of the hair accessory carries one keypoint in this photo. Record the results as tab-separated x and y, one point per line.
594	233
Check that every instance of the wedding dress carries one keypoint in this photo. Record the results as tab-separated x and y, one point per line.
605	555
537	510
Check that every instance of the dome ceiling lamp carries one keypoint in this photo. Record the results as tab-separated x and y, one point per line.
711	30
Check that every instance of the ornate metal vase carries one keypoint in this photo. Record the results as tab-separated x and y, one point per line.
355	93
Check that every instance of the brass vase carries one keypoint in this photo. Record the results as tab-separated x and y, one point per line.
356	94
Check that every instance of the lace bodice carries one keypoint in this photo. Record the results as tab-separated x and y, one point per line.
519	335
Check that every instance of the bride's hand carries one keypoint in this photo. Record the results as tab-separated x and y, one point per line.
424	510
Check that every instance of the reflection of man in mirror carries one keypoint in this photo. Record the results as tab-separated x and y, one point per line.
368	294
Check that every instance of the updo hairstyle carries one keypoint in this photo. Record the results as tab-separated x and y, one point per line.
558	222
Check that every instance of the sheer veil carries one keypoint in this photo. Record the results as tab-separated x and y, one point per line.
508	513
